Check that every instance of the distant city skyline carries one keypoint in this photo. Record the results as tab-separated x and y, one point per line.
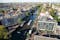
8	1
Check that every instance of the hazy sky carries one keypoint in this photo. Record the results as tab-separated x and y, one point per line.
7	1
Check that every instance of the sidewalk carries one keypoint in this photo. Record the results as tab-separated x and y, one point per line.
43	38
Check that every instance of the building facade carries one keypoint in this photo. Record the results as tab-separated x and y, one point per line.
47	24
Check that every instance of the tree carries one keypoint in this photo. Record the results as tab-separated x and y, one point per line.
52	13
3	32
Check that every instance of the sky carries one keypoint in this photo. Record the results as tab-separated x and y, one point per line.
9	1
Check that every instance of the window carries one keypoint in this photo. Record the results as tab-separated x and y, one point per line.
41	25
49	26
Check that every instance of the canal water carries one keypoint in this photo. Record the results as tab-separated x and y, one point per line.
23	34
